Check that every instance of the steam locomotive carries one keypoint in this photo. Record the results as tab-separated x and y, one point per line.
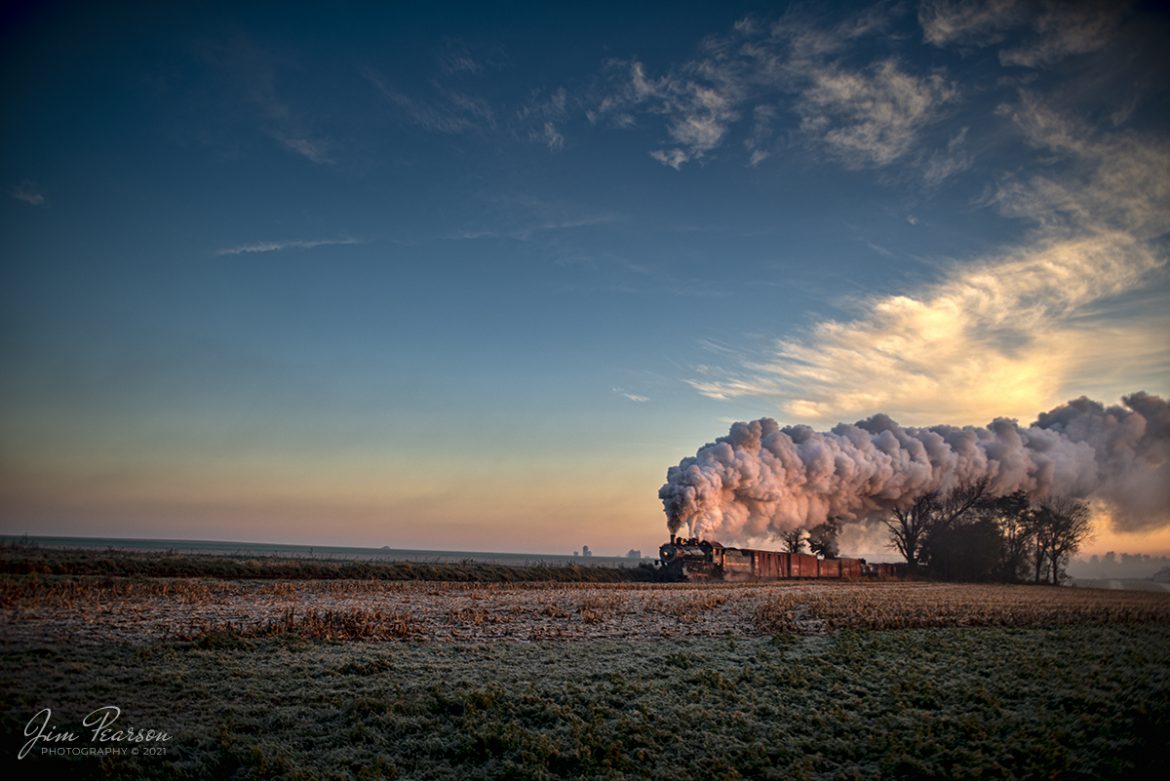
695	559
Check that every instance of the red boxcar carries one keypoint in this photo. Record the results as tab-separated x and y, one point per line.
828	568
769	564
802	565
851	568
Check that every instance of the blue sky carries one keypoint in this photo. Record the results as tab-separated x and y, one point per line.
474	276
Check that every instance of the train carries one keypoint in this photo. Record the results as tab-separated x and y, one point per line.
695	559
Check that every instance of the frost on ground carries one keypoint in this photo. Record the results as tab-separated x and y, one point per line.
973	702
84	610
307	679
99	611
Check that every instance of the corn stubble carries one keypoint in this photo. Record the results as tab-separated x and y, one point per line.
101	609
926	605
379	678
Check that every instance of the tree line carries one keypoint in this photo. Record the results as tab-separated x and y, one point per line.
820	539
968	534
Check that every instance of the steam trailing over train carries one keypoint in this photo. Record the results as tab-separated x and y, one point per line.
763	479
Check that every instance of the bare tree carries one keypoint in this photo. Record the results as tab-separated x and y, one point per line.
1014	516
911	526
822	538
1039	552
961	500
1062	525
793	540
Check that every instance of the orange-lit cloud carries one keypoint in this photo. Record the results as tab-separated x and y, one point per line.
1077	308
1007	337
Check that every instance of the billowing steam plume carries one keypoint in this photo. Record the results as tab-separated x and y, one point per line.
762	479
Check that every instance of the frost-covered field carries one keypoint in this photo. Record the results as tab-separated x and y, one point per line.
83	609
362	678
1126	584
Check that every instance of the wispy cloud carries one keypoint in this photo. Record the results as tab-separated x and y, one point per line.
446	110
544	116
28	192
698	103
447	113
636	397
456	58
1065	30
250	68
763	118
451	100
1066	311
283	125
550	136
1116	180
316	151
531	230
277	246
873	116
938	165
988	340
958	21
460	64
1051	31
863	115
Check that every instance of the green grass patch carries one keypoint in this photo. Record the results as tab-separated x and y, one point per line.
988	702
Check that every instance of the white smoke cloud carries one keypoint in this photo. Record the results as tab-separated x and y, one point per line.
762	479
1133	454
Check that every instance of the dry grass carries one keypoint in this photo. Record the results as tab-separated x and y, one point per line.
30	592
924	605
692	607
95	610
328	625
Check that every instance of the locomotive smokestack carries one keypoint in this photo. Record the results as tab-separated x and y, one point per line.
762	479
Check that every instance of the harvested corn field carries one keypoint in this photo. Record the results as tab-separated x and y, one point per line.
329	677
94	610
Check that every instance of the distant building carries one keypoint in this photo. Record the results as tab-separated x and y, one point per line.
585	551
634	554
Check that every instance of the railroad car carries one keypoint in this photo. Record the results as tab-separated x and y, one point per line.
695	559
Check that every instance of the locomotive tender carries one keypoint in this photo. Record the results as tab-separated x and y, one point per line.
695	559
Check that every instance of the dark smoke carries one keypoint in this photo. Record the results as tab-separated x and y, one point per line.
762	479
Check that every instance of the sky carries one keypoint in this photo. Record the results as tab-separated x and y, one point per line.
471	277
